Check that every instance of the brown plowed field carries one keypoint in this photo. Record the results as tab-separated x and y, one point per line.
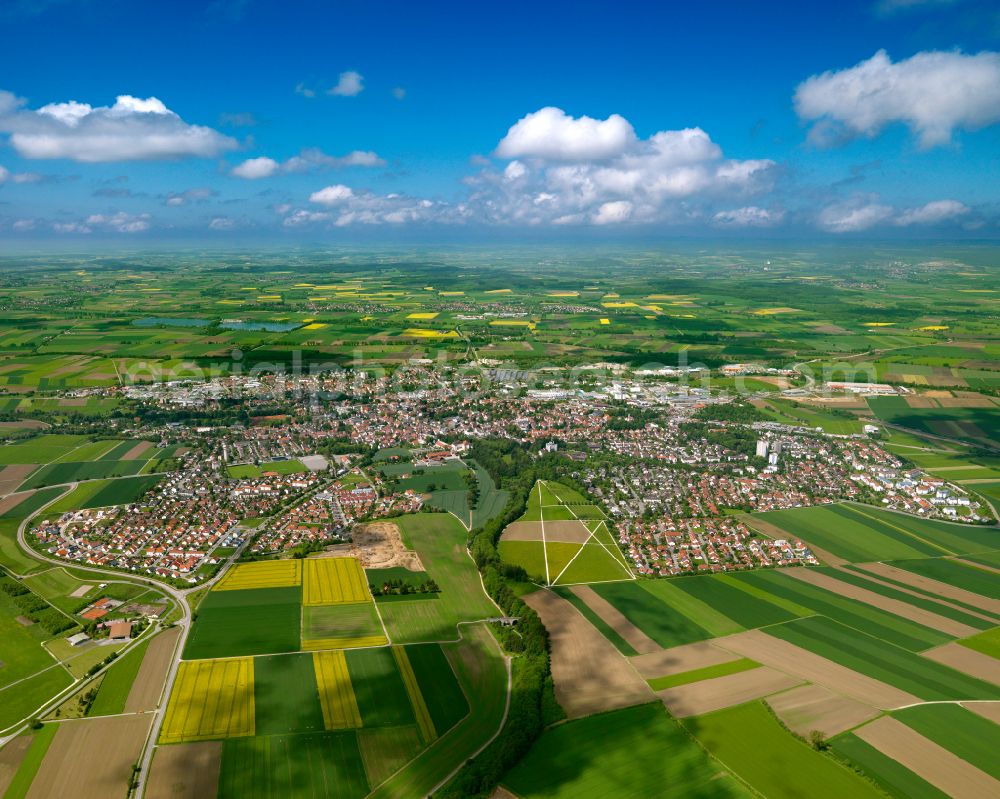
813	707
988	710
10	758
895	606
137	450
185	771
636	638
148	684
589	673
679	659
696	698
968	661
570	532
792	659
91	758
934	586
926	759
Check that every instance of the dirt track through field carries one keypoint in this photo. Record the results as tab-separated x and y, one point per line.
792	659
772	531
968	661
934	586
148	684
894	606
614	618
813	707
679	659
705	696
185	771
589	673
925	758
10	758
91	758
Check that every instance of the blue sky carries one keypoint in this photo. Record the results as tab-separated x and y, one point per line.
307	120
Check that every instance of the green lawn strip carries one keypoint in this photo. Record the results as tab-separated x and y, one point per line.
599	756
602	626
746	610
991	559
260	621
55	586
918	602
286	698
749	740
882	660
960	731
479	665
759	593
655	613
438	685
20	701
988	643
564	494
385	750
304	765
529	555
706	673
922	591
40	449
700	613
594	564
117	683
356	620
118	450
31	762
559	554
888	774
603	536
960	575
379	687
21	650
557	513
850	612
847	537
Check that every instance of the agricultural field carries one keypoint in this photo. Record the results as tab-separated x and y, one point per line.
562	539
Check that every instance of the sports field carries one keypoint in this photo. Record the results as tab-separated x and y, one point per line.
261	574
211	699
328	581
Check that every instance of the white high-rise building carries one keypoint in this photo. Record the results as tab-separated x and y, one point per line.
761	448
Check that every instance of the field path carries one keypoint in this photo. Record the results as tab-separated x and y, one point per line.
926	759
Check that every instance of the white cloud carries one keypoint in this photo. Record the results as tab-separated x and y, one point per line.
132	129
577	171
178	198
119	222
934	93
305	91
221	223
332	195
308	160
399	93
932	213
552	134
70	227
350	84
345	207
853	216
255	168
749	216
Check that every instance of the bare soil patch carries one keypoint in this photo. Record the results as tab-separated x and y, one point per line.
895	606
571	532
988	710
10	759
25	424
813	707
696	698
679	659
792	659
137	451
185	771
589	673
12	500
72	402
91	758
522	531
636	638
967	399
378	545
81	591
967	660
921	401
148	685
925	758
934	586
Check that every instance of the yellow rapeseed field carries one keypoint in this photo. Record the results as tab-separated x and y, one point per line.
424	721
336	694
262	574
332	581
211	699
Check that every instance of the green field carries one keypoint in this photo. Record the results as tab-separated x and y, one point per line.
27	769
356	620
286	699
751	742
117	682
888	774
20	701
249	470
442	694
314	764
960	731
378	688
11	555
706	673
600	756
960	575
259	621
986	642
883	661
648	606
